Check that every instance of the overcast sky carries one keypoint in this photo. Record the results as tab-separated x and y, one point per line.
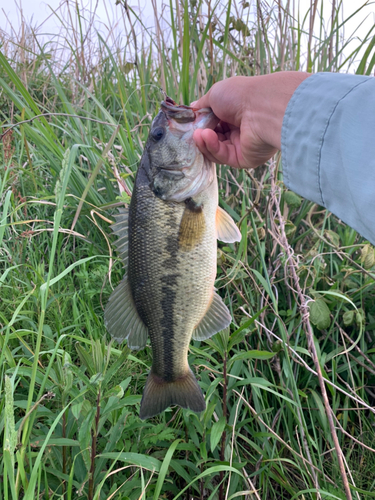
40	11
40	14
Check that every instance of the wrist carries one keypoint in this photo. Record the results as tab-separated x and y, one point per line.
270	95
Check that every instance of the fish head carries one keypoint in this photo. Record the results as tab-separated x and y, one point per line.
178	170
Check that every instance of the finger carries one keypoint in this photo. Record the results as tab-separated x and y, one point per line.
221	136
203	102
227	151
201	144
220	152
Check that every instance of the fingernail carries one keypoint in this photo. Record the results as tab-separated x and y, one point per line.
192	104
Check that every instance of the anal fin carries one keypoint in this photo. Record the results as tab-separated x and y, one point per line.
216	319
122	319
226	228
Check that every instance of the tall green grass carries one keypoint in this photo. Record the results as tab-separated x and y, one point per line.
69	397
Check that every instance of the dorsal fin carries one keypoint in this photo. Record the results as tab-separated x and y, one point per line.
120	229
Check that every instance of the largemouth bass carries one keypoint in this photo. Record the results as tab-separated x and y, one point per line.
167	240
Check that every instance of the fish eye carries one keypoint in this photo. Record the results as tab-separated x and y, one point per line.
157	133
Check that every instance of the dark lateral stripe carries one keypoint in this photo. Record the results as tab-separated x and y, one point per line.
168	305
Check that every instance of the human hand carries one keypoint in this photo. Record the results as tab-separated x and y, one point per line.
251	112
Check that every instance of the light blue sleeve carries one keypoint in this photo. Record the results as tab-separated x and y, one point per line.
328	146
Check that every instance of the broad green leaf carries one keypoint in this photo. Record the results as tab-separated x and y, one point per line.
264	355
55	442
216	432
348	318
320	315
164	468
137	459
85	437
292	199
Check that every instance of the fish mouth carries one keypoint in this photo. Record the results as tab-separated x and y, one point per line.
202	118
171	173
179	113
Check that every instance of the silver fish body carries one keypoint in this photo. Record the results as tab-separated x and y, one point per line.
171	232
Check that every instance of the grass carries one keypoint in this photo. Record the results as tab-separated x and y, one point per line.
69	397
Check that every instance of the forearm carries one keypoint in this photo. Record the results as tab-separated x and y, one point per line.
328	146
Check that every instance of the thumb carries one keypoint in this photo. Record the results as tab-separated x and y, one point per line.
203	102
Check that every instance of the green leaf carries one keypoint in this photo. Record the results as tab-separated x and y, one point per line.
333	237
292	199
30	492
340	296
216	432
84	437
348	318
4	215
10	472
251	355
96	379
266	388
117	391
55	442
145	461
320	314
234	337
164	468
362	65
76	409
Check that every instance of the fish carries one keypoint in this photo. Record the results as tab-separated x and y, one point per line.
167	240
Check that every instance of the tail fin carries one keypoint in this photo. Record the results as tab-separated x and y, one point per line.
159	395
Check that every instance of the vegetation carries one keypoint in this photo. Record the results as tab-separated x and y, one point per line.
286	393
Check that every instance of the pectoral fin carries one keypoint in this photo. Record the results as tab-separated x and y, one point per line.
122	320
120	229
216	319
192	226
226	228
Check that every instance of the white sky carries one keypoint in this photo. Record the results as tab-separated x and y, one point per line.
39	13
